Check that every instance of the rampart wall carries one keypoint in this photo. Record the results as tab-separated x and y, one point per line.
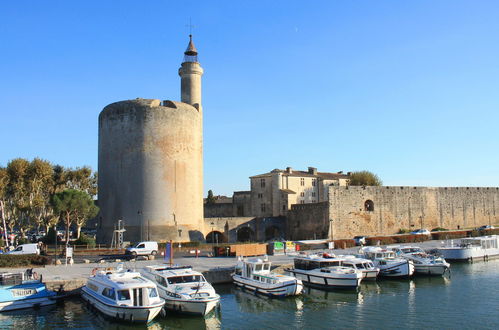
385	210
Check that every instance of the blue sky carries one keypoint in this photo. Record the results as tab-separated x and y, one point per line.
406	89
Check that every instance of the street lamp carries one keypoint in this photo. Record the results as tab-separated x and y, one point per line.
212	233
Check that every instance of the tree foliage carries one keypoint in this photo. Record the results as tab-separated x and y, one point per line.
27	189
74	206
210	199
364	178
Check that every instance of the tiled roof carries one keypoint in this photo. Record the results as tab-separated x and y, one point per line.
322	175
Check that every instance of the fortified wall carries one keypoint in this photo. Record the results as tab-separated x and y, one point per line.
385	210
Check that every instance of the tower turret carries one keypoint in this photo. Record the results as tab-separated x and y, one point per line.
190	73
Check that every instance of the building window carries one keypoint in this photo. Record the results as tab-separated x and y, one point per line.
313	193
369	205
284	207
260	195
313	201
302	181
262	207
302	194
302	202
314	181
262	183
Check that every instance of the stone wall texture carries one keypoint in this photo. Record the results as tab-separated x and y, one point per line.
409	208
151	170
308	221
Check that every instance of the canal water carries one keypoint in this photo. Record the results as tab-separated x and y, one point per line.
468	299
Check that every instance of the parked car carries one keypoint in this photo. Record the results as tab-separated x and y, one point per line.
26	249
143	249
485	227
360	240
421	232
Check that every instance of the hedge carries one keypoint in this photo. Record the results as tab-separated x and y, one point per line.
383	240
450	234
343	243
13	260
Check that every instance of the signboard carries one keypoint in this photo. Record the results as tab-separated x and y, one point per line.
69	252
278	248
290	246
330	245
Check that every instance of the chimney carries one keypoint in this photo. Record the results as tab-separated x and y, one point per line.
312	170
289	170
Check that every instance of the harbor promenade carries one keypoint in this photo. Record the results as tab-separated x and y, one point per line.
217	270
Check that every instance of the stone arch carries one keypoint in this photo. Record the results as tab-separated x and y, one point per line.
369	205
216	237
272	232
245	234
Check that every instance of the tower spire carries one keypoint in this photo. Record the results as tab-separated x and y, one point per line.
191	53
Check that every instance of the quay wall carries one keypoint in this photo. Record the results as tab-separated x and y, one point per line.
387	209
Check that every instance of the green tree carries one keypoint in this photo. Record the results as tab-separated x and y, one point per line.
18	195
74	206
210	199
40	179
364	178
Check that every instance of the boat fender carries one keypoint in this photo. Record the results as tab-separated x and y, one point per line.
162	313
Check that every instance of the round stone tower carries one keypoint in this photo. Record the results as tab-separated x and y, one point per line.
151	164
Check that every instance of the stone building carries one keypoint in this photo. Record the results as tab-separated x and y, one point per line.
273	193
151	163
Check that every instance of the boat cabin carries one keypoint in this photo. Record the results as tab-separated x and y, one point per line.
257	270
484	242
310	263
124	289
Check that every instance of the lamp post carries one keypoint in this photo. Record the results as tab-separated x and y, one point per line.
212	233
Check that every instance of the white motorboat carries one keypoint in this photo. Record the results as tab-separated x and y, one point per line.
389	264
471	248
325	273
23	290
255	275
366	266
183	289
424	263
123	295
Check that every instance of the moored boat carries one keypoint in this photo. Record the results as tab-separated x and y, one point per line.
23	290
389	265
471	248
183	289
254	274
325	273
123	295
424	263
366	266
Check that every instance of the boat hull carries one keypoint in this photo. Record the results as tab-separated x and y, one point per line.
142	314
288	288
26	303
463	254
370	274
322	281
401	269
431	269
191	307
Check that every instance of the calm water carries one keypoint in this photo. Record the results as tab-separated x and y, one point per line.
469	299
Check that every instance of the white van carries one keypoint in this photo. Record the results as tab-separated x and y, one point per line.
143	249
26	249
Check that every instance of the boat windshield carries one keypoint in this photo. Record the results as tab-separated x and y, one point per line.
360	266
123	295
260	267
185	279
412	250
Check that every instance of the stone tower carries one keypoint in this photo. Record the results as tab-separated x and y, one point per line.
151	163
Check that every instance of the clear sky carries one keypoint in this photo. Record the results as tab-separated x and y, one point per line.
406	89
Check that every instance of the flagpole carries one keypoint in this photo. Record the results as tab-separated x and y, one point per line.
171	252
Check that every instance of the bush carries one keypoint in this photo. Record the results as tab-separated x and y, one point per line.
403	231
23	240
411	238
439	229
343	243
383	240
449	234
8	260
50	237
85	240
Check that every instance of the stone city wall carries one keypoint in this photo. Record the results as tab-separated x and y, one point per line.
385	210
308	221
